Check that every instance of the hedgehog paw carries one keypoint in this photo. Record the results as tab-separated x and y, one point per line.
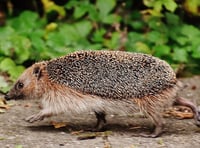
35	117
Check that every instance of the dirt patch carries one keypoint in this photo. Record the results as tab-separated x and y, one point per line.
15	132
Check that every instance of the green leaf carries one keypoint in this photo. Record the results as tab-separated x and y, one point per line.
161	50
105	6
114	42
57	42
6	45
134	37
172	19
180	55
157	4
190	31
21	46
7	64
5	48
83	28
79	12
98	35
142	47
182	40
192	7
70	4
156	37
94	14
15	72
6	31
196	52
81	9
67	33
137	25
4	86
25	23
111	18
170	5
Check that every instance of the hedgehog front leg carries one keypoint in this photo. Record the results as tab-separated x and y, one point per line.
39	116
101	121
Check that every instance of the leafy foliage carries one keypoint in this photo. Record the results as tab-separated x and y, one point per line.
157	27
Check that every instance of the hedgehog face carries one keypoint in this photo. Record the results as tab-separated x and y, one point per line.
27	86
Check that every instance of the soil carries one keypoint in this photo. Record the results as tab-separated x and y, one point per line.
121	132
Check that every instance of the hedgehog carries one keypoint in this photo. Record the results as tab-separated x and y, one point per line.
102	82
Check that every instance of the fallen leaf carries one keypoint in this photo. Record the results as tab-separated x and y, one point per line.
77	132
27	105
2	101
92	135
194	87
180	112
2	138
160	141
86	136
59	124
2	110
3	104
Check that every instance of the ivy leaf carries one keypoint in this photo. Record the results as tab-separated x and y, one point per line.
182	40
83	28
13	70
81	9
113	43
170	5
156	37
79	12
98	35
94	14
196	52
57	43
25	23
190	31
180	55
142	47
172	19
161	50
111	18
21	45
68	34
6	32
4	86
105	7
7	64
192	7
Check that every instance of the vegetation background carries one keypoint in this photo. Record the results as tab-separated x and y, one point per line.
42	29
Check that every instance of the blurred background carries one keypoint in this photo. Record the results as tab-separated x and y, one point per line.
34	30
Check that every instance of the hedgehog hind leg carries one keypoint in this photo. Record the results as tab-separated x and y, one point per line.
151	108
159	125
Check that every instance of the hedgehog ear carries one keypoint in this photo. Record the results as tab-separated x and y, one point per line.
37	72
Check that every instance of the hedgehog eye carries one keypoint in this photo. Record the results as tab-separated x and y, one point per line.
19	85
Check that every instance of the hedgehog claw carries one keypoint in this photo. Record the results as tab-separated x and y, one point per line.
35	117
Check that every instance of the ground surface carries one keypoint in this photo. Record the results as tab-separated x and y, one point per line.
16	133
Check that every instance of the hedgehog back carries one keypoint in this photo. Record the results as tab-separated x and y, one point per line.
112	74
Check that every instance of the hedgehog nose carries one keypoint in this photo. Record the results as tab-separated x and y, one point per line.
7	97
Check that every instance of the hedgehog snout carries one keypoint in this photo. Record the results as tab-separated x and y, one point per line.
13	96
